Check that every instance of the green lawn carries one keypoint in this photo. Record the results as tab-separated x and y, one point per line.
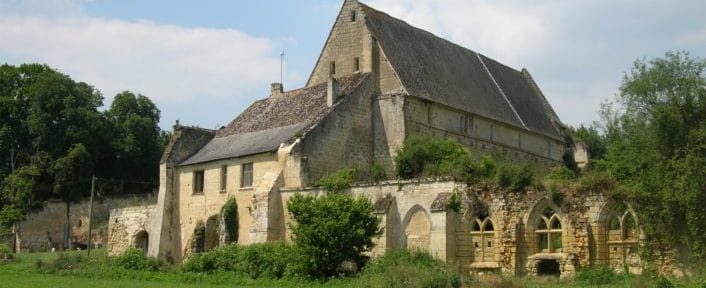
97	272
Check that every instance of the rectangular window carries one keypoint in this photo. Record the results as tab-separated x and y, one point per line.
224	178
246	175
356	64
332	68
353	16
198	182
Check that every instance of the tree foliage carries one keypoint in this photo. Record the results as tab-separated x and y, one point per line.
49	123
332	229
656	135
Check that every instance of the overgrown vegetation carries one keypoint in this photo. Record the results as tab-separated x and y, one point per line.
229	215
340	180
428	156
135	259
262	260
402	268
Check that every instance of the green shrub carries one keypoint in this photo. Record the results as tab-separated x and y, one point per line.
229	214
514	177
271	260
377	173
597	275
423	155
560	173
596	181
134	259
332	229
5	252
64	261
340	180
402	268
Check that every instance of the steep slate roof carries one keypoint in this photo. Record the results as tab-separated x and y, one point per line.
435	69
268	122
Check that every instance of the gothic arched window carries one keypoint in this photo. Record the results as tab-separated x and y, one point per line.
483	235
622	238
548	232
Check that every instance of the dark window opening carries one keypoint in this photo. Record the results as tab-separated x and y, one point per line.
353	14
356	64
246	175
548	268
224	178
332	68
198	182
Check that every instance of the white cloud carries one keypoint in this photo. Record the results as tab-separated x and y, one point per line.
164	62
694	37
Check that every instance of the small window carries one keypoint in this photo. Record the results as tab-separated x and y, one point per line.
198	182
246	177
353	14
356	64
224	178
332	68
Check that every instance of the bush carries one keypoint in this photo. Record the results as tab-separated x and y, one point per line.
332	229
134	259
402	268
514	177
596	275
596	181
423	155
64	261
377	173
5	253
560	173
263	260
339	181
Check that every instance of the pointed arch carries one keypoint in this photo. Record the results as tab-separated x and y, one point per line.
545	232
618	236
483	239
417	228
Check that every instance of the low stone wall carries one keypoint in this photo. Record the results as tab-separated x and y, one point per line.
130	227
44	229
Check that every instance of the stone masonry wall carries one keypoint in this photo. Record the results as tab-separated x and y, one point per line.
126	224
44	229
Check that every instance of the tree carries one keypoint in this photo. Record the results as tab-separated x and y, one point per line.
331	229
72	173
137	142
656	135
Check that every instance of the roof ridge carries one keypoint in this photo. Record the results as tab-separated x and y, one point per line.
501	91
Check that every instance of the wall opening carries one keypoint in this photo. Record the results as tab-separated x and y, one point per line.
142	240
418	230
211	238
548	267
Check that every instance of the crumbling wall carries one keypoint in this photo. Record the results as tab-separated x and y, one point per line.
44	229
126	224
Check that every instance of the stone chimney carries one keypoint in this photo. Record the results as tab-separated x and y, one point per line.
332	92
276	89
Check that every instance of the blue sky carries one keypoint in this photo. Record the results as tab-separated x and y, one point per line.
203	62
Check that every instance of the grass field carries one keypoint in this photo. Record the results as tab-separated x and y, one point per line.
97	272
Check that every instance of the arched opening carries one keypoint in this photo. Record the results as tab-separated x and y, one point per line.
483	238
548	233
622	238
418	229
142	241
211	238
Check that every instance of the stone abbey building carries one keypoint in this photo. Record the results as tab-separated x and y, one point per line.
377	81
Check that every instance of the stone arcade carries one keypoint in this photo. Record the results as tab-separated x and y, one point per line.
377	81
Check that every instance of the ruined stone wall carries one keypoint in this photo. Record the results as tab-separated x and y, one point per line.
343	138
482	135
44	229
127	226
415	216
